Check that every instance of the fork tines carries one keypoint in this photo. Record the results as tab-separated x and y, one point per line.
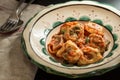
8	26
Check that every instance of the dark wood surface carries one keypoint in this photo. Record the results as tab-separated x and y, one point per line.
114	3
111	75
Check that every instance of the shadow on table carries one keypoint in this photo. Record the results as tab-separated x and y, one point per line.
112	75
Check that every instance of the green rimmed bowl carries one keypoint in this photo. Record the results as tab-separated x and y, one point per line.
42	26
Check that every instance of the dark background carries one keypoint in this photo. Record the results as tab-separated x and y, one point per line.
115	3
111	75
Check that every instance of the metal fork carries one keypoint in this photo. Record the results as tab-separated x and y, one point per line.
14	19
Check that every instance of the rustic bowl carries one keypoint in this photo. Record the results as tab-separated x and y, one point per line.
43	25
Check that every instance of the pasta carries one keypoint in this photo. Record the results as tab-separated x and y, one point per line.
79	43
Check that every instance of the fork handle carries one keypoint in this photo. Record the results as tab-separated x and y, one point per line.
20	3
20	8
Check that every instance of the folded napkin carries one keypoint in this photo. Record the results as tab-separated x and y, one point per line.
14	65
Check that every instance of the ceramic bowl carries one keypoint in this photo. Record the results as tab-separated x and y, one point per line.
43	25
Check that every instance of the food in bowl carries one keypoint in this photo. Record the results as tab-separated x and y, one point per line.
79	43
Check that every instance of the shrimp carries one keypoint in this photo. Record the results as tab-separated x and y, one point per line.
94	28
91	55
69	52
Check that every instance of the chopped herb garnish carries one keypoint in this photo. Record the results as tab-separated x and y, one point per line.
71	32
62	31
76	28
87	40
